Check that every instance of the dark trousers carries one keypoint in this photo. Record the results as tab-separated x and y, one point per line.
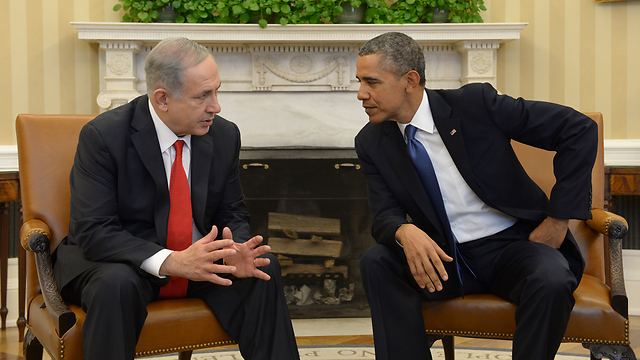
114	296
534	276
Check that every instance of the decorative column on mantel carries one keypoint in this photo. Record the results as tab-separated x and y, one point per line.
119	74
277	68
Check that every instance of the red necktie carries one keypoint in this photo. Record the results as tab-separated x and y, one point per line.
180	227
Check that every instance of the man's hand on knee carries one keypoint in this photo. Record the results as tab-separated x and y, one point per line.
424	257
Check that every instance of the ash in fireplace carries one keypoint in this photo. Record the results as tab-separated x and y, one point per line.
314	294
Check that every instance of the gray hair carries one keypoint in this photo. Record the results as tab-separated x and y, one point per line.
167	61
398	52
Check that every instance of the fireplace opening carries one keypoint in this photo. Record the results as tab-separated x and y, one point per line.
310	205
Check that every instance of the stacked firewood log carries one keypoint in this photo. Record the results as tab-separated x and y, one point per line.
307	250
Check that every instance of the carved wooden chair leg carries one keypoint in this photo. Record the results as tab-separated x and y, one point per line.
32	349
449	347
610	352
185	355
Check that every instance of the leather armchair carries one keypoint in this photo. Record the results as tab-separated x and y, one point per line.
599	319
46	148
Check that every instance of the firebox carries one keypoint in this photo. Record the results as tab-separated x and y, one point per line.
310	205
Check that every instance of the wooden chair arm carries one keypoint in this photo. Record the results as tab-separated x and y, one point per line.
29	228
608	223
34	237
615	228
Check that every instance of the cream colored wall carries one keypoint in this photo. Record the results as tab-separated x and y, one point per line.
43	67
575	52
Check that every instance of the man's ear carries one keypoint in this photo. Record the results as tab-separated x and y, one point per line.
160	97
413	81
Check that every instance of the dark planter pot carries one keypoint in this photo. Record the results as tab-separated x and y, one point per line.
350	14
439	15
167	15
271	19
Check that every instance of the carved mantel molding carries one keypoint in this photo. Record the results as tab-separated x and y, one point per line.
277	68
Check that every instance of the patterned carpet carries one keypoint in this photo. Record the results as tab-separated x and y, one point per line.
354	352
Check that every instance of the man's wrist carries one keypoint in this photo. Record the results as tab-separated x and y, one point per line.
398	234
153	264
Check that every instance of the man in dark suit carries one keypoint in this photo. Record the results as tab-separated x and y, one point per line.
496	232
116	258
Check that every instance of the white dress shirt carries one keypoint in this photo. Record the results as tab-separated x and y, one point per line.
470	217
166	138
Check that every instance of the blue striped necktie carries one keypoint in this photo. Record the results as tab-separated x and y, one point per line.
422	162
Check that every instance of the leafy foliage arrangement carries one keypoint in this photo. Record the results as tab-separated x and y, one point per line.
286	12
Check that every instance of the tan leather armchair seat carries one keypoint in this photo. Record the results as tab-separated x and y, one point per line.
599	319
46	148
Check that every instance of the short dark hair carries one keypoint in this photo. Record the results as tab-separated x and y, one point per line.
399	54
167	61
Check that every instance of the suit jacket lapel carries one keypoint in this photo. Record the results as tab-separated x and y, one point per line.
145	141
201	158
451	133
395	150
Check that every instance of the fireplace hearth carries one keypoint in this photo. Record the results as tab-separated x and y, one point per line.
320	194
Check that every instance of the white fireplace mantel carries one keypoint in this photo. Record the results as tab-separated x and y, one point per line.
293	85
303	34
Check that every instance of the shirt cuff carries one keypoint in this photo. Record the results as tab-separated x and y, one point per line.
152	264
398	241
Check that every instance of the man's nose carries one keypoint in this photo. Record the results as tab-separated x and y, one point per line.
363	94
214	106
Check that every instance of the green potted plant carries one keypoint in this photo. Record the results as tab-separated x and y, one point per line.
313	12
195	11
297	11
274	11
235	11
458	11
377	12
141	11
465	11
245	11
408	11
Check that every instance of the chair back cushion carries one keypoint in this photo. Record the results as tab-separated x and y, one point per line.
46	149
539	165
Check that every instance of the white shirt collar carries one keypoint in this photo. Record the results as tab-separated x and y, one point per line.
423	118
166	137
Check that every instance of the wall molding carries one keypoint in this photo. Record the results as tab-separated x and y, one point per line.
622	152
8	158
631	262
12	293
